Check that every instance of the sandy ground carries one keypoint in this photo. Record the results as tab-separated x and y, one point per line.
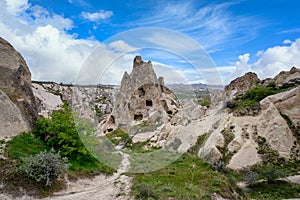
115	187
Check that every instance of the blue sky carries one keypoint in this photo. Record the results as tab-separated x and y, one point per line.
57	37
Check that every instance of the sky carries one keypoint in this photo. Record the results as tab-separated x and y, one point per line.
188	41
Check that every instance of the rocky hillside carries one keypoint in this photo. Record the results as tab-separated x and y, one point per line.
267	136
18	108
92	102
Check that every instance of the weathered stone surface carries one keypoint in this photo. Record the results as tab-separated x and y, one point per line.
241	85
46	101
91	102
288	78
15	82
288	103
142	98
11	120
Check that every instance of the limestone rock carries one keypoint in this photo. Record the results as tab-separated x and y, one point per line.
11	119
288	78
287	103
142	98
15	82
241	85
91	102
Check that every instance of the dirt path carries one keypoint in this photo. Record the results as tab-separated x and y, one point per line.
115	187
112	187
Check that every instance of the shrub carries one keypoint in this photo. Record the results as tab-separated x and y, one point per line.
59	131
23	145
250	177
44	167
271	174
145	191
219	166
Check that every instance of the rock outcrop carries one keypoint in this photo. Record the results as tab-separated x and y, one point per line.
142	98
241	85
11	120
92	102
270	134
15	82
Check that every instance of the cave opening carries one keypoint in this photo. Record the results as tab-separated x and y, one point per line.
149	103
138	117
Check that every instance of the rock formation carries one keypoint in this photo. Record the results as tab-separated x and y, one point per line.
142	98
15	82
247	140
241	85
285	78
92	102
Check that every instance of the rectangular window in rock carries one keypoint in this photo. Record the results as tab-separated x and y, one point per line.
149	103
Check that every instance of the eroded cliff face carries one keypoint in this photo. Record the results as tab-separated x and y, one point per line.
241	85
90	102
272	133
142	98
15	82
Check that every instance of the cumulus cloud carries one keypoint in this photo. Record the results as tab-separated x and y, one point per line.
270	62
97	16
15	7
122	46
287	41
276	59
40	36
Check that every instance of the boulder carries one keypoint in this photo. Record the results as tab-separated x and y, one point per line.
15	82
241	85
11	120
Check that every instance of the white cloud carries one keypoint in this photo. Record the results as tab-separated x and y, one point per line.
212	25
287	41
122	46
40	37
14	7
270	62
97	16
276	59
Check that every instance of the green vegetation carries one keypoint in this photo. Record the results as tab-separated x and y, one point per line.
228	137
187	178
200	141
276	190
294	128
24	145
205	101
248	103
44	167
61	133
118	135
29	152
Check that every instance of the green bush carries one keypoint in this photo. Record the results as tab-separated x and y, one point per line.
250	177
44	167
259	93
271	174
59	131
145	191
24	145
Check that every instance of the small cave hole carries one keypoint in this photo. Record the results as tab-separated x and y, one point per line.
149	103
138	117
110	130
141	92
169	112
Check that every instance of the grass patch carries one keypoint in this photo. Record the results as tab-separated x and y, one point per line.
248	103
24	145
200	141
228	137
276	190
118	135
187	178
